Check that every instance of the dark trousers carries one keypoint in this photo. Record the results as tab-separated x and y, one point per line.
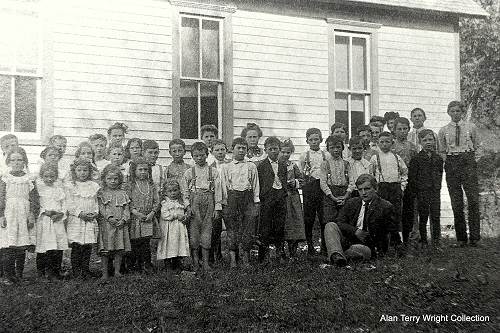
140	256
49	262
461	176
215	250
313	205
240	216
80	258
392	192
408	214
272	217
13	262
429	205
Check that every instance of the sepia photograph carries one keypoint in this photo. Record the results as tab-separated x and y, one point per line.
249	166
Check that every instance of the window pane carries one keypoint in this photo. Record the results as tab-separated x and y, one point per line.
25	116
189	110
209	104
211	48
357	111
190	44
5	103
341	62
359	78
341	108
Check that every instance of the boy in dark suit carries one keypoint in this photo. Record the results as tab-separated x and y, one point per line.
272	179
424	181
362	228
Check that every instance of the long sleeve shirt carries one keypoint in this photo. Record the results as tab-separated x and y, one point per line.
202	182
389	168
357	168
240	176
313	166
468	140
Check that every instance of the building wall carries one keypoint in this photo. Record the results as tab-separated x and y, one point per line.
111	61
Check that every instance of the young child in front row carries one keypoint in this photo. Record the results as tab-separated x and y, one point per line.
406	150
294	224
310	165
81	202
202	194
240	197
391	173
51	237
174	241
18	208
219	151
144	204
357	164
114	216
334	181
272	180
425	176
99	143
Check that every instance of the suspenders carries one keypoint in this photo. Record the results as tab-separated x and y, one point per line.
380	166
211	185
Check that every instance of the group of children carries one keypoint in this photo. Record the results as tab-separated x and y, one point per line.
114	196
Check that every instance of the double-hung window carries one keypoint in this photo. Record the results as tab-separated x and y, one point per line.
20	69
352	78
201	77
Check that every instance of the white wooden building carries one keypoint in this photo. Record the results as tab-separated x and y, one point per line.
74	67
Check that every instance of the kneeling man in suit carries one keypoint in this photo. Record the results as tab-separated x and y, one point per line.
363	226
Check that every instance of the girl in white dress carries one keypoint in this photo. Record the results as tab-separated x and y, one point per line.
81	198
51	238
18	208
174	242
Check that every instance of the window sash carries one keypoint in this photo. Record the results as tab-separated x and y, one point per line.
200	19
199	107
350	91
13	68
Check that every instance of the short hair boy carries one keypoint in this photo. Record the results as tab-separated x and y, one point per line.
177	168
241	199
202	195
272	180
389	118
391	173
425	176
357	163
406	150
209	133
458	142
310	165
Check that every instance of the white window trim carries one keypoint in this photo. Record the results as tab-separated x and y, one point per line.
37	135
368	31
225	107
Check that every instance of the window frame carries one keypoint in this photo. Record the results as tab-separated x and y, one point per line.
39	74
223	14
354	29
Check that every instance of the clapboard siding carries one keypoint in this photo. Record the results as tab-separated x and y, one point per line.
417	67
280	74
112	62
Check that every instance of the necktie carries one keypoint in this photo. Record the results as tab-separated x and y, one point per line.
457	135
361	217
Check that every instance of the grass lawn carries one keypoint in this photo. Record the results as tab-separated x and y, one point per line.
298	296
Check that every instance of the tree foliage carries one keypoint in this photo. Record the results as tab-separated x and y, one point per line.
480	64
